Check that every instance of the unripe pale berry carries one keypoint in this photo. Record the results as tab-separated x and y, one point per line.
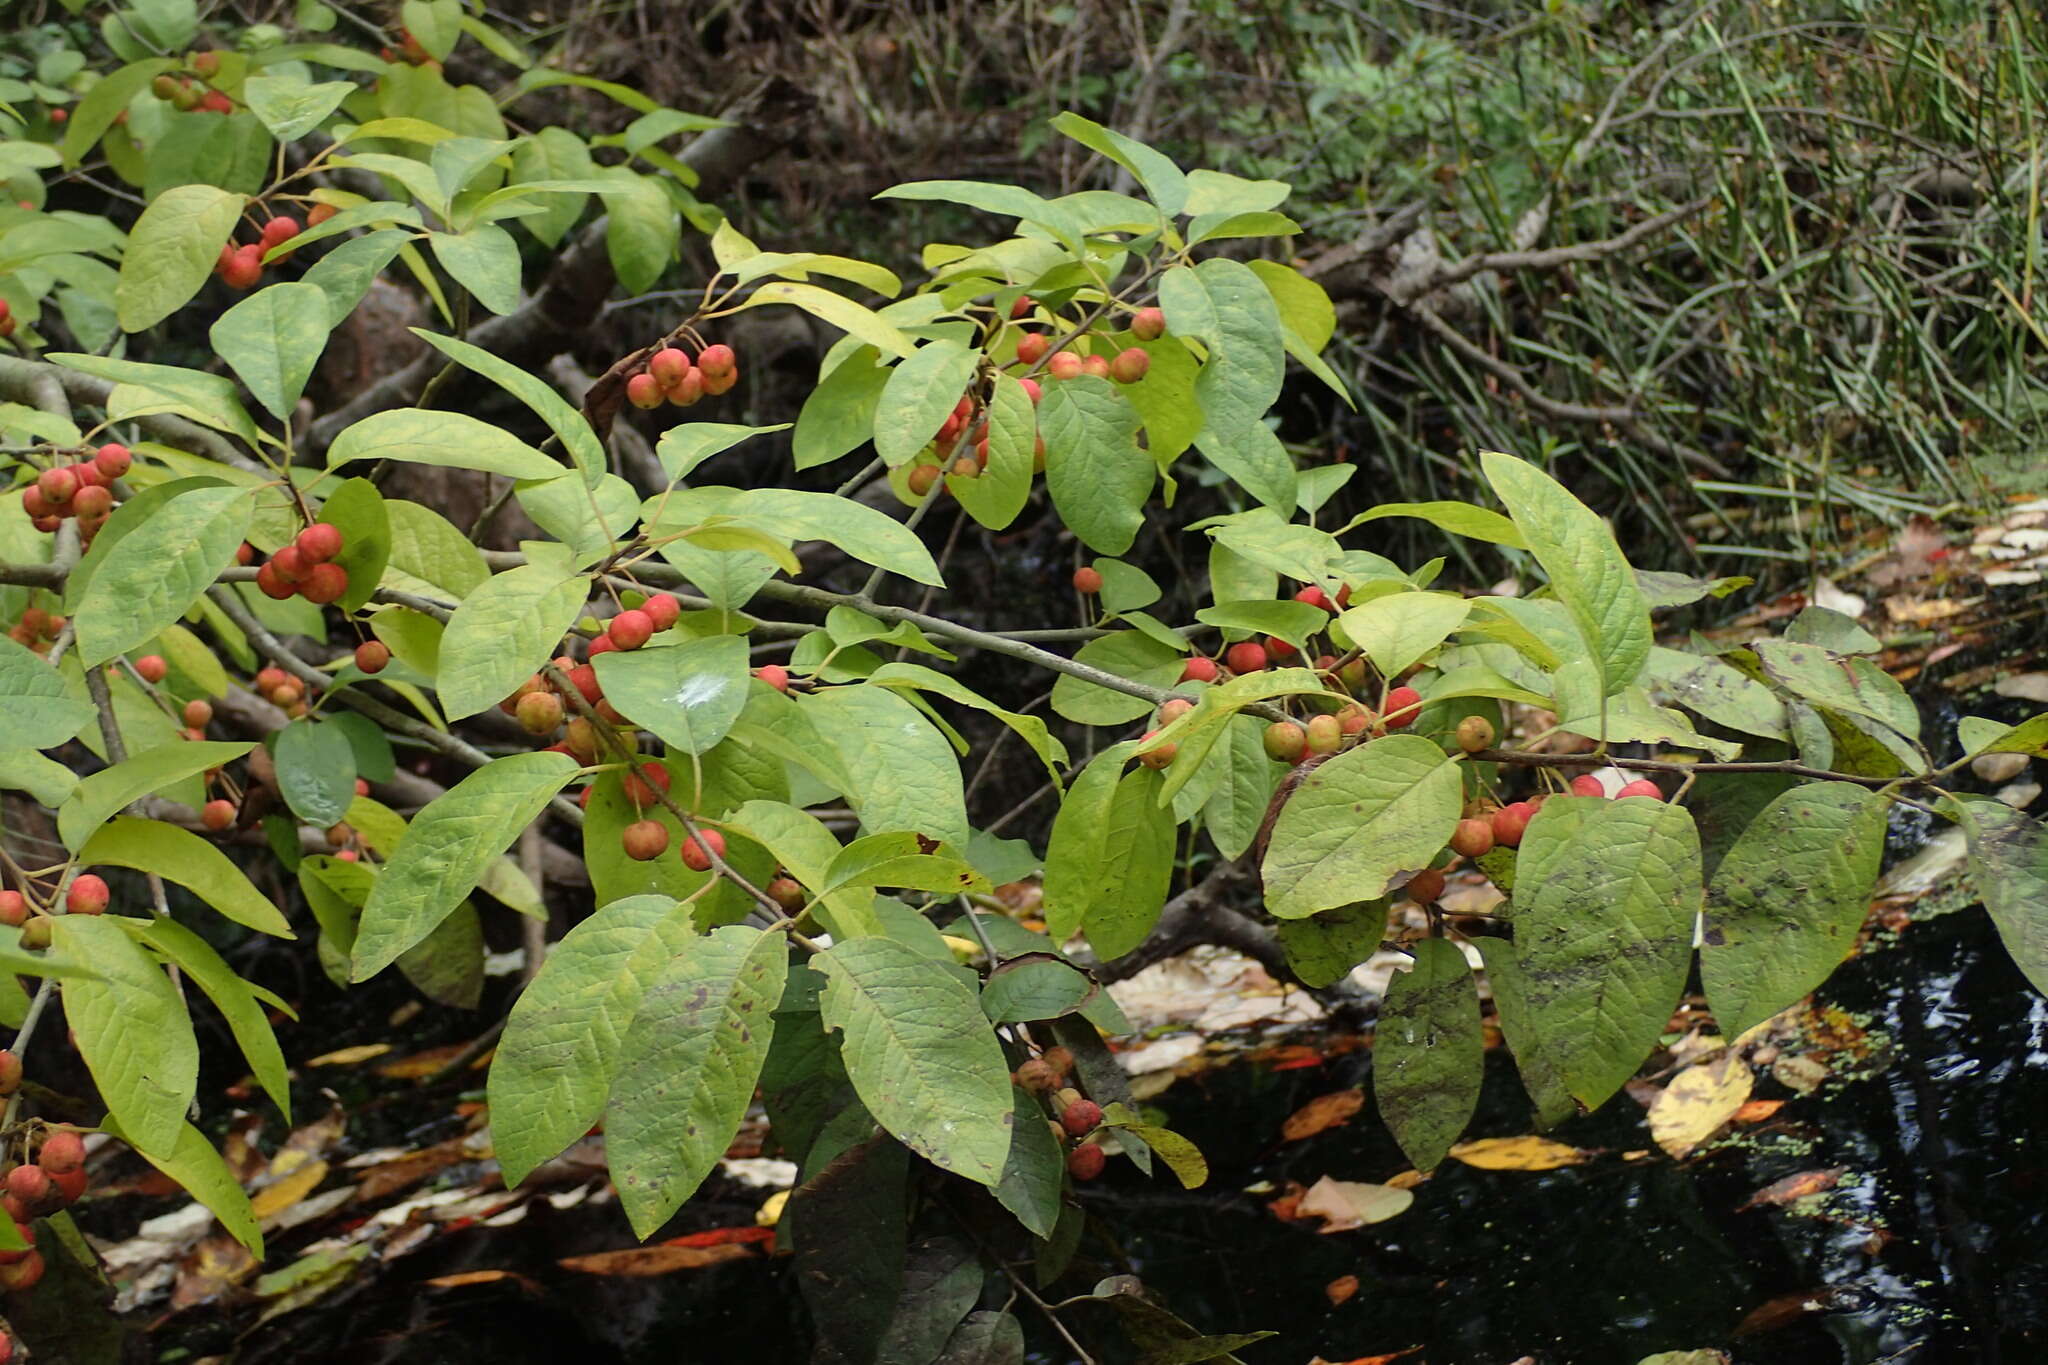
1404	704
1474	732
217	815
326	583
581	738
1247	656
1325	735
1065	365
1034	1075
1159	756
697	849
1285	741
644	840
1472	838
1130	366
320	542
539	713
1087	581
921	479
10	1081
1173	708
966	467
1148	324
372	655
1200	669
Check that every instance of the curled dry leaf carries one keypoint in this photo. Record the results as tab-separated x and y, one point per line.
1530	1153
1324	1111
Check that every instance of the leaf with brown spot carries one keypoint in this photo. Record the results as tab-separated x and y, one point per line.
1324	1111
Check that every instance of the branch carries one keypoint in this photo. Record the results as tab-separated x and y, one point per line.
41	383
1201	914
1550	258
1530	759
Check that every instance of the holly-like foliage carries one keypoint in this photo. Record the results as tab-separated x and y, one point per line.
205	611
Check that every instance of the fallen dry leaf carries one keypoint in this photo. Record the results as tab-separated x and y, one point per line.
392	1176
350	1056
281	1194
1324	1111
1527	1153
421	1064
1698	1102
216	1265
1340	1289
1347	1204
1387	1359
654	1260
467	1277
1406	1180
1781	1192
1756	1111
718	1237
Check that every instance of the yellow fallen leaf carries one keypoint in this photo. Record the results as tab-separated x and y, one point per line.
1528	1153
281	1194
770	1213
349	1056
1698	1102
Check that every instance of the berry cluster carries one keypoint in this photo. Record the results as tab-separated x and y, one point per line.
83	490
306	568
37	629
1078	1117
241	267
36	1189
671	378
87	894
186	95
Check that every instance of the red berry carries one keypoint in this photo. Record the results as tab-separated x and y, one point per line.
1173	708
268	680
1086	1161
92	505
1316	597
10	1077
645	840
245	268
631	629
663	610
717	360
31	1184
1130	366
715	384
291	565
13	909
1023	306
1404	704
1065	365
278	231
1032	390
21	1277
70	1185
688	389
1509	823
640	787
1158	756
319	214
921	479
215	102
1277	648
112	460
698	849
152	668
1472	838
584	679
1087	581
1642	786
1426	886
775	675
1200	669
667	366
362	787
1032	346
1588	785
372	655
57	485
1097	365
603	644
326	583
62	1152
644	391
1247	656
217	815
1148	324
320	542
1082	1116
87	896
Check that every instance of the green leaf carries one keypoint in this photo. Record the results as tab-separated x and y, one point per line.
1534	1056
792	514
1024	989
688	1066
554	1066
1787	901
839	414
450	440
1716	690
920	1054
105	792
1138	854
1322	949
357	508
1163	180
1098	477
804	847
999	493
316	770
1034	1171
920	392
1129	654
25	770
1587	570
130	1025
840	311
435	24
904	860
1245	778
553	154
1842	682
172	251
565	421
1428	1057
190	1160
1030	729
484	260
1360	824
1009	201
237	1002
290	107
160	569
902	770
1181	1156
1225	306
41	713
1307	317
1459	518
447	849
688	695
1399	629
1980	736
642	229
503	632
183	857
2008	859
428	547
1831	630
682	448
104	103
1606	896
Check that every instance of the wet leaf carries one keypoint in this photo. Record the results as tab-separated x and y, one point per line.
1320	1113
640	1262
847	1224
1779	1193
1698	1102
1428	1056
1529	1153
1347	1204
